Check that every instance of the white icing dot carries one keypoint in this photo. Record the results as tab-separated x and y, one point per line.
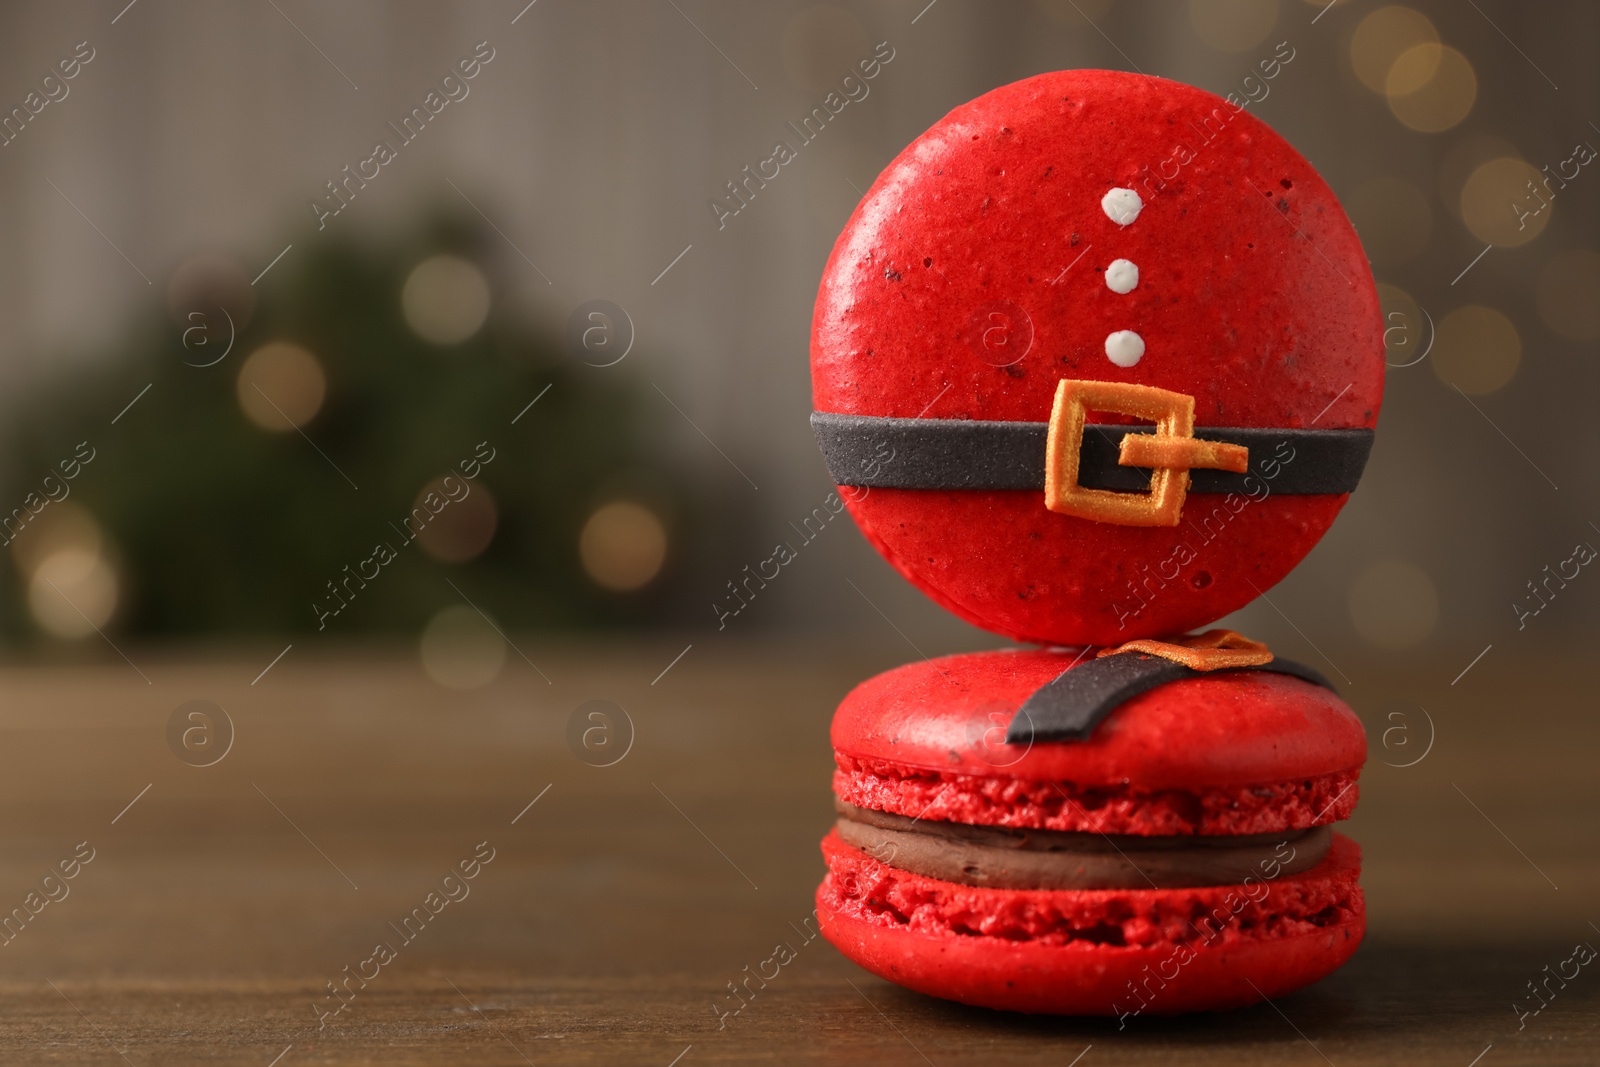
1121	206
1124	348
1122	276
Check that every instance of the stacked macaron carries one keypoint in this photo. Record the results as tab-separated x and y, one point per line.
1096	361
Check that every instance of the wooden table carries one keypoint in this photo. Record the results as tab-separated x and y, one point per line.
220	900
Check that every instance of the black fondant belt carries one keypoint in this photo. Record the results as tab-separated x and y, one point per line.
1069	707
1130	475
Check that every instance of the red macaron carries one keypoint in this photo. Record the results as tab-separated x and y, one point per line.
1106	227
1178	859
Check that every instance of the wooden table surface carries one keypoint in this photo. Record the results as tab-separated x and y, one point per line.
217	907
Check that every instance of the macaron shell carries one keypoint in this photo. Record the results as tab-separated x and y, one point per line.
948	716
902	927
1123	808
1254	297
1049	580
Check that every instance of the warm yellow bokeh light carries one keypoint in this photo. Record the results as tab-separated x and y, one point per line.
460	649
1464	156
622	546
1393	604
1393	218
1382	37
1413	69
1431	87
1406	334
1492	197
1233	25
281	387
1477	350
445	299
60	526
72	593
1568	294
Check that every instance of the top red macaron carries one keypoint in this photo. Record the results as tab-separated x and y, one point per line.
1101	227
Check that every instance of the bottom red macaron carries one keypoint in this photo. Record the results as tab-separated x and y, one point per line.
1179	858
1094	952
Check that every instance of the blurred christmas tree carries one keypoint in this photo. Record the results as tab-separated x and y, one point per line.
285	486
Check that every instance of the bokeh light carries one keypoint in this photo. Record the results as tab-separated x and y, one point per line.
1406	334
465	526
445	299
72	592
460	649
1490	197
281	387
1413	69
63	557
1431	87
1393	604
60	526
1382	37
1463	157
1393	218
622	546
1477	350
821	45
1568	294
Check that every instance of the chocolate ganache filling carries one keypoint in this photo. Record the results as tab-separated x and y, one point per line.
1003	857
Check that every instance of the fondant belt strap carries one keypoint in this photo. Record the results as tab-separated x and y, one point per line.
893	453
1079	698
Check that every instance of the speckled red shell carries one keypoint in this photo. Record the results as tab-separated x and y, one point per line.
971	279
1094	952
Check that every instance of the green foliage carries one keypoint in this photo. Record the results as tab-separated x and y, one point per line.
218	526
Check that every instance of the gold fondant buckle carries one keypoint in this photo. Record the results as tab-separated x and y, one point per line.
1170	453
1214	650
